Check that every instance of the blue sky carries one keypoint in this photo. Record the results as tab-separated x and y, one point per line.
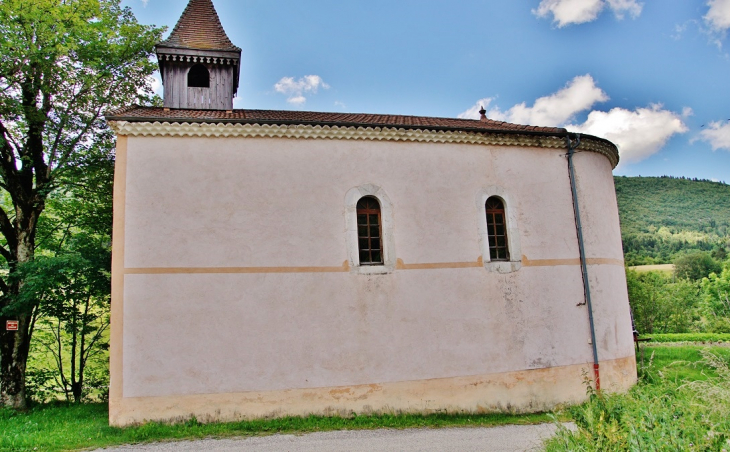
652	76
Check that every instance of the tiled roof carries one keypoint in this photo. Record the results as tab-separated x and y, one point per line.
151	114
199	28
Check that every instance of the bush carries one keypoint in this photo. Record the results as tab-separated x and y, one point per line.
40	385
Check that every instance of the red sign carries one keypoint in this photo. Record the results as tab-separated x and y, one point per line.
11	325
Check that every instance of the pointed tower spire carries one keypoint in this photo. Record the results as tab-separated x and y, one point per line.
199	64
199	28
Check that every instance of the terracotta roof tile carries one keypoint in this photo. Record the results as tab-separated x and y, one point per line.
149	114
199	28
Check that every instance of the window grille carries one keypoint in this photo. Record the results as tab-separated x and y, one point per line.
496	230
369	231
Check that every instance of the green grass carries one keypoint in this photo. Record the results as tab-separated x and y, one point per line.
690	337
682	363
68	427
667	269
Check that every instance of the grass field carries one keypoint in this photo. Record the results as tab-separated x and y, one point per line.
56	427
687	338
683	363
666	268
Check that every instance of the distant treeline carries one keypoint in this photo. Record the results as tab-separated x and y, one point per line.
694	179
663	218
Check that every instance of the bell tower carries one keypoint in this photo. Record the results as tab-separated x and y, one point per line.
199	65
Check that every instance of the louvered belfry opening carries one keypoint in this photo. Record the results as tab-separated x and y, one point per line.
369	231
199	64
497	230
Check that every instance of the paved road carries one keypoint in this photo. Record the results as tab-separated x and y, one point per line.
507	438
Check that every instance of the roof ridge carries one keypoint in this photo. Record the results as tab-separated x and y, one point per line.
445	118
199	28
330	118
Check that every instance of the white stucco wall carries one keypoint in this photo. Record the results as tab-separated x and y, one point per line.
232	249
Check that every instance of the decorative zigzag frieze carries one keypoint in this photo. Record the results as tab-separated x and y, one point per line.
302	131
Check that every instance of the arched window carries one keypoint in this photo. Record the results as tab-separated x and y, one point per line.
198	77
496	230
369	231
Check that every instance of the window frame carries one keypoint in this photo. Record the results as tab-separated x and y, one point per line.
492	230
514	259
352	197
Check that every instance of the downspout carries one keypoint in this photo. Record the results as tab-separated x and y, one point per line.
581	247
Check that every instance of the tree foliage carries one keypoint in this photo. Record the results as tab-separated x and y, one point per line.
663	218
71	289
661	305
716	290
695	266
70	280
63	63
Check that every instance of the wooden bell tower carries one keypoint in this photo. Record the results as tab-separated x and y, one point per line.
200	66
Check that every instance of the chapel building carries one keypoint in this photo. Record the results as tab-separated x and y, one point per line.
273	263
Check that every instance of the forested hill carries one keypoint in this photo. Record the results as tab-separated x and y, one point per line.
663	217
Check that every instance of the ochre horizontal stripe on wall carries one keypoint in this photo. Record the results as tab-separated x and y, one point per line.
574	261
400	265
166	270
345	267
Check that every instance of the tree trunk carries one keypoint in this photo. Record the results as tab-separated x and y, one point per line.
15	345
76	388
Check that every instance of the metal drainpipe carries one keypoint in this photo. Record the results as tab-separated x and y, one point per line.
581	248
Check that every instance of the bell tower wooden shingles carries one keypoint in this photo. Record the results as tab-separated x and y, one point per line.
199	65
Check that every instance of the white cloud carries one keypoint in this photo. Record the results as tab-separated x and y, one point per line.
718	135
295	89
566	12
473	112
718	16
578	95
297	100
638	133
145	2
679	30
620	7
156	83
152	82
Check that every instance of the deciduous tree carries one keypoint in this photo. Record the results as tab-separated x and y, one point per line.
71	290
63	63
696	266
